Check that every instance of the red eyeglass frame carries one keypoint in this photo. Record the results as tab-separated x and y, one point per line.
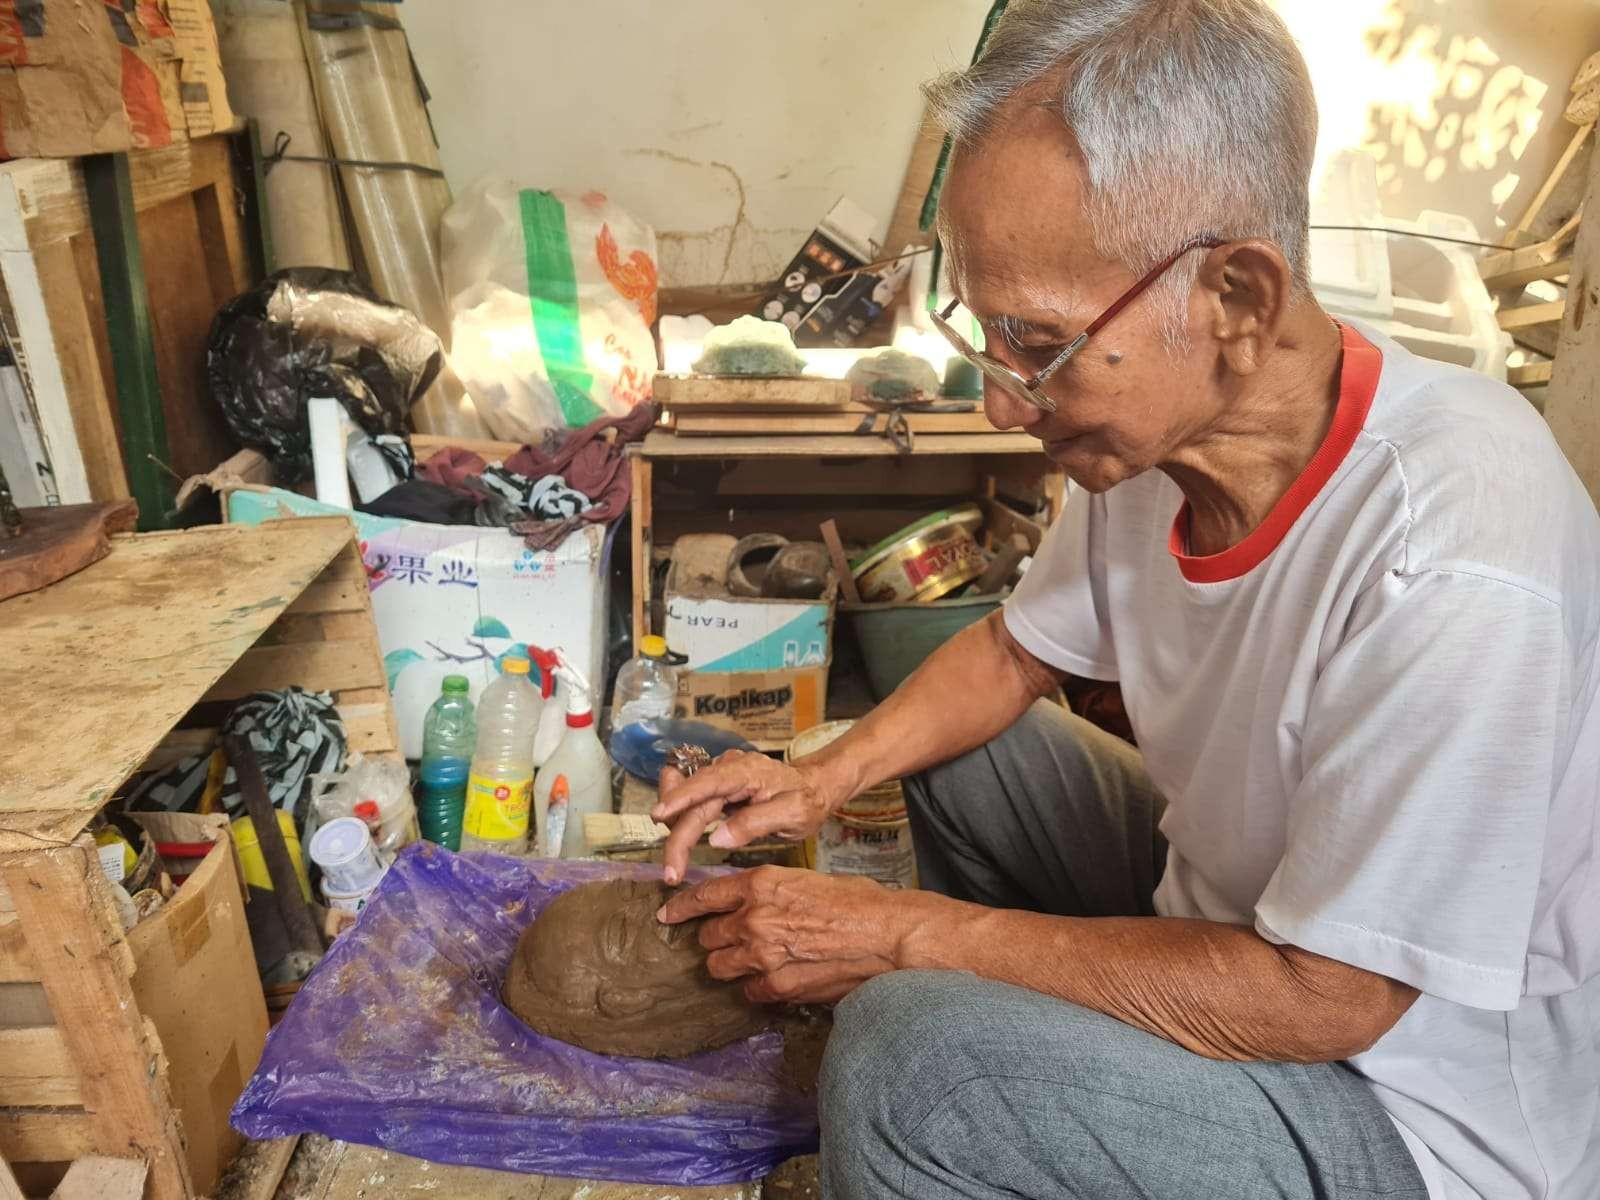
1028	389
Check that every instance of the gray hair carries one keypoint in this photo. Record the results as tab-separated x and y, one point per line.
1194	118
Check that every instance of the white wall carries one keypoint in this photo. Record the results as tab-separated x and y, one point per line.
732	125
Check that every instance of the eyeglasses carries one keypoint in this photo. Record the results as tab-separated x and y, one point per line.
1030	389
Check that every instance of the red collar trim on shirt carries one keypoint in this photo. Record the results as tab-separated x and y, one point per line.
1358	383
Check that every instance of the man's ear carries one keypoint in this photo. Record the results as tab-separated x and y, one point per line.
1248	287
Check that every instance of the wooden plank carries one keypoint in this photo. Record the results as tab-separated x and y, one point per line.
659	444
905	226
34	344
119	652
8	1183
97	1178
315	666
36	1071
844	423
52	194
23	1002
1530	374
67	296
641	533
30	1136
267	1163
1542	197
901	476
1518	268
16	962
1572	405
426	445
61	898
1521	317
684	394
189	276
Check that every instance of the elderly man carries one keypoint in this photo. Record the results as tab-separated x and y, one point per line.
1335	929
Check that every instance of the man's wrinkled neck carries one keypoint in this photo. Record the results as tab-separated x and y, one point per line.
1267	431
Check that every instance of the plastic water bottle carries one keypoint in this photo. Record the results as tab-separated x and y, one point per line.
500	784
647	686
449	738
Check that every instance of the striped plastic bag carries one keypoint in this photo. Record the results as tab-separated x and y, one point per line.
552	297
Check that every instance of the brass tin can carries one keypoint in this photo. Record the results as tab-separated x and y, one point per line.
923	561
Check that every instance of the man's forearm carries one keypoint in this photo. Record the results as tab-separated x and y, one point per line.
1221	991
970	690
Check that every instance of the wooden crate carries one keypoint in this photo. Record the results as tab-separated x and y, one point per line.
126	663
197	245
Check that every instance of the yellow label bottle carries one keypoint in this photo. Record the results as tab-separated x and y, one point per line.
496	816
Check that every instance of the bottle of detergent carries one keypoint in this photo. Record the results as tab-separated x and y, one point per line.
576	779
500	784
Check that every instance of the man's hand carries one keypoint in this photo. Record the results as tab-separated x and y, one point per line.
800	937
787	802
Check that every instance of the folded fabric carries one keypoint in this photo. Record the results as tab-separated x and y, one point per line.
590	464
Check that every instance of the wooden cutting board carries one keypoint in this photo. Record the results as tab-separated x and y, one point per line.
721	393
57	542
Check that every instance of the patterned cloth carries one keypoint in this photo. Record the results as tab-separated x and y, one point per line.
295	733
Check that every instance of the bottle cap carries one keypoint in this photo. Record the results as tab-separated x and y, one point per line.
653	647
455	685
515	665
367	810
580	720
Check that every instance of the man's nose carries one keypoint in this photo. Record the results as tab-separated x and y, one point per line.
1006	410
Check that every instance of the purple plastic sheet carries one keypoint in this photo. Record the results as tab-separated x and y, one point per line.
398	1039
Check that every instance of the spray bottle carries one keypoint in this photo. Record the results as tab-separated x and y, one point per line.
552	726
576	779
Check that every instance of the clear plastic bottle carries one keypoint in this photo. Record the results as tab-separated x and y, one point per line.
575	780
500	785
449	739
647	686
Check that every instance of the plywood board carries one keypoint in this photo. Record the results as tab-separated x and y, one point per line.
710	393
845	423
99	667
660	444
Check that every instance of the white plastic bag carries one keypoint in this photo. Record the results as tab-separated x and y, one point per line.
552	297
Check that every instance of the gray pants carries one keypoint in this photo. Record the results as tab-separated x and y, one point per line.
941	1084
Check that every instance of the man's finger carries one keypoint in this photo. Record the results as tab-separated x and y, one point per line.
727	780
734	962
717	933
723	893
789	819
803	983
686	831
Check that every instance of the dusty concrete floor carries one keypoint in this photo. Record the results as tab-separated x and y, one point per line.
322	1169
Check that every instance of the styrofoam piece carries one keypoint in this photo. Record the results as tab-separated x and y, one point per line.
1350	268
326	418
1426	294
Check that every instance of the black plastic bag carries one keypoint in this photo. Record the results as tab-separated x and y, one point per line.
308	332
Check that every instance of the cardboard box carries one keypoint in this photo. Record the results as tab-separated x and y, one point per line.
729	633
767	707
454	599
195	980
92	77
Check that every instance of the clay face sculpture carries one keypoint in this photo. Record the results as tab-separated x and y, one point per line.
597	969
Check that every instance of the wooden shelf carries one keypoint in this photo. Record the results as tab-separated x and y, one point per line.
659	444
101	666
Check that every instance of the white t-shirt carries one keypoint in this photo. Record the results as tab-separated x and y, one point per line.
1375	723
